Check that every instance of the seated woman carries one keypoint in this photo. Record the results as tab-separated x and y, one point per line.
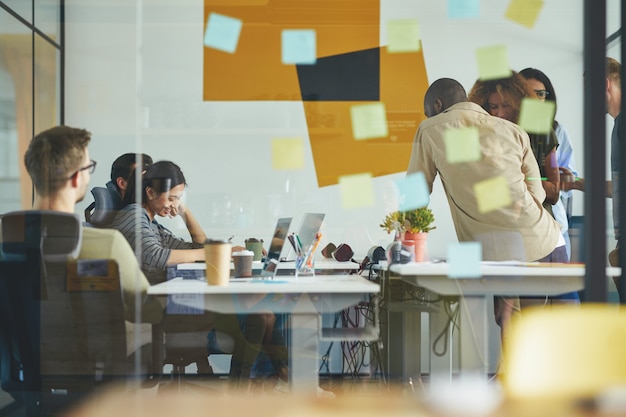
160	248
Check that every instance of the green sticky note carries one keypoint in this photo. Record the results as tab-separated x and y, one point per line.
287	153
524	12
464	260
536	116
413	192
492	194
403	35
493	62
298	46
462	145
222	32
369	121
356	190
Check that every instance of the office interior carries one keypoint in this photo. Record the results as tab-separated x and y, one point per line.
134	74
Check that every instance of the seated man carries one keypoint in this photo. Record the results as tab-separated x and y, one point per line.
123	167
57	160
108	200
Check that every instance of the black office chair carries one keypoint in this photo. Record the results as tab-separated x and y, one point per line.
107	202
63	332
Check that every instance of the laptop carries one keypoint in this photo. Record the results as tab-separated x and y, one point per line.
276	245
310	225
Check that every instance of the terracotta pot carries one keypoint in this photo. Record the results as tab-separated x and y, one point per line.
420	244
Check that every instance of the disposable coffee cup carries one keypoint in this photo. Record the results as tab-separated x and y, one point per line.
217	257
242	262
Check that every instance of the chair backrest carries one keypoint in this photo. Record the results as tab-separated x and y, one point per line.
565	351
51	234
107	202
62	319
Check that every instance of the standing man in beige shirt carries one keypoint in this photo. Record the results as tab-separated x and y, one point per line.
521	230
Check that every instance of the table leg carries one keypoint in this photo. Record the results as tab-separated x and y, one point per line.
304	352
474	355
440	362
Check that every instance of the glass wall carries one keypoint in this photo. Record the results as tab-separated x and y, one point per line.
30	80
31	53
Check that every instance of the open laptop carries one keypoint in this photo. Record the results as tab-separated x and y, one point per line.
310	225
276	245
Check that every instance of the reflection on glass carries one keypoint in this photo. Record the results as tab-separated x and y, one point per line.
15	111
47	18
24	8
46	104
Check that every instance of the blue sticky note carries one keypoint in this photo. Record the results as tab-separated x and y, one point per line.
464	260
222	32
463	9
299	46
413	192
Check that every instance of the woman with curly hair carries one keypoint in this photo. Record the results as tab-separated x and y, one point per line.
503	98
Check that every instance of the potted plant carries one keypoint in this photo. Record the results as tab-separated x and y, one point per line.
412	227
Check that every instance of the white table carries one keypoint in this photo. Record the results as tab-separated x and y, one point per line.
322	266
305	299
497	278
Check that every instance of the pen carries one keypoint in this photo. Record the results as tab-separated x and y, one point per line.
293	243
309	257
540	179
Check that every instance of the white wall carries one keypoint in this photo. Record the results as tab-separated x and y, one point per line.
139	87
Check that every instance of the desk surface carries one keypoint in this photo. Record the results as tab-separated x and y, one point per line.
511	269
336	284
501	278
321	264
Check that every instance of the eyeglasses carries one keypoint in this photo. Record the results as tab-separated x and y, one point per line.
542	93
91	168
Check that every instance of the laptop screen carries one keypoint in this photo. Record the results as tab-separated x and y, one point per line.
311	223
278	239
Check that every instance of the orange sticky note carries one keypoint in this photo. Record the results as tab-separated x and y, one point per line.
524	12
492	194
493	62
287	153
536	116
356	190
403	35
462	145
369	121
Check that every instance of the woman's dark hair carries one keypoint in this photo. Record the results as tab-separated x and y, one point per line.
160	176
535	74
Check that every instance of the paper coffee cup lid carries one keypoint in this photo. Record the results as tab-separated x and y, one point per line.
243	253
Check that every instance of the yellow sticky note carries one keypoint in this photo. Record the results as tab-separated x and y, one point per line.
492	194
369	121
536	116
287	153
403	35
493	62
524	12
462	145
356	190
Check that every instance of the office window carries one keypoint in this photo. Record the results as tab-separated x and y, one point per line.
30	88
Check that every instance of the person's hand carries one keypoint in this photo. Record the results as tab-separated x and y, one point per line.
568	179
177	211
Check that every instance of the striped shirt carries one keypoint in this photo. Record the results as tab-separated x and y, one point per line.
157	241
